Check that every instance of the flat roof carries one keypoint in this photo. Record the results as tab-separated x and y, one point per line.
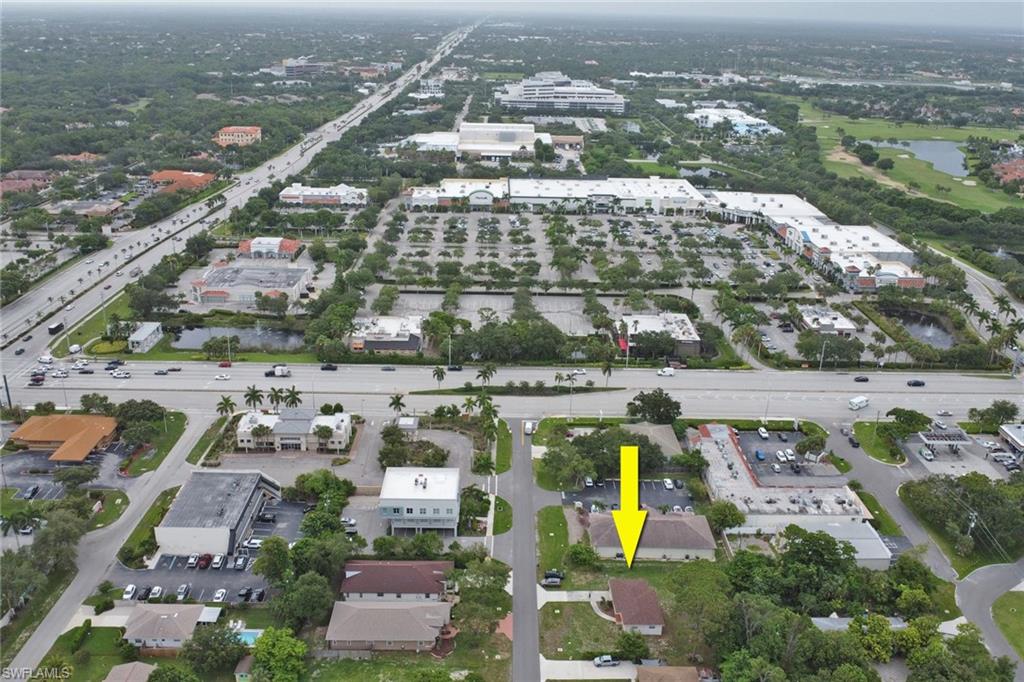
677	324
78	434
767	204
145	330
420	483
213	499
263	278
624	188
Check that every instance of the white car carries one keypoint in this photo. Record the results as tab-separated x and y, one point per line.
129	593
220	594
667	482
156	592
666	372
121	374
89	261
790	455
776	468
69	306
939	424
253	543
222	377
579	371
60	374
987	444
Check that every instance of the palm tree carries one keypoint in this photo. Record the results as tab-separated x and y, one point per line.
396	403
439	374
323	434
486	373
1003	303
559	378
253	397
226	406
606	370
276	397
469	404
260	433
292	397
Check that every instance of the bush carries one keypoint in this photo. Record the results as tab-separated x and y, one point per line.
104	605
81	633
81	657
129	652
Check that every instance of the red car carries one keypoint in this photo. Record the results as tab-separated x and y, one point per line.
204	561
225	363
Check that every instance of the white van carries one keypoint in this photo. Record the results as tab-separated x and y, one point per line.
859	403
763	432
528	428
46	359
667	372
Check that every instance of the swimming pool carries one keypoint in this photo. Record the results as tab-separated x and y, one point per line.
249	636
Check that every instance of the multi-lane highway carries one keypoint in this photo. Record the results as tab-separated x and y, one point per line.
20	318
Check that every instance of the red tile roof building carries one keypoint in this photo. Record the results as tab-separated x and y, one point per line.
239	135
176	180
1009	170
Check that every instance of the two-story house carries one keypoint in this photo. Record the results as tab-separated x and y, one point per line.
420	498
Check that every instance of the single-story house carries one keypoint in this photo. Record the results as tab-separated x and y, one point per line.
636	606
668	673
136	671
387	626
671	537
166	626
394	580
70	437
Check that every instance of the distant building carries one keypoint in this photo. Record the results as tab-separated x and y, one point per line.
387	333
636	606
159	627
420	499
742	123
145	336
555	90
213	512
239	284
387	626
826	321
176	180
669	537
338	195
1008	171
488	141
430	87
243	136
408	581
301	66
268	247
91	208
294	429
677	325
69	437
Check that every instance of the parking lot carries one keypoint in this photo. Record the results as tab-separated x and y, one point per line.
653	495
751	442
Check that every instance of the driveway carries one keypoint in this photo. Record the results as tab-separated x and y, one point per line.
584	670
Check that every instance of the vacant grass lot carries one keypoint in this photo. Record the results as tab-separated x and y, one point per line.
502	516
170	431
144	530
553	537
874	446
572	630
1008	612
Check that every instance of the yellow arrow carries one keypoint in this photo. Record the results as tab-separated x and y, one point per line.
629	520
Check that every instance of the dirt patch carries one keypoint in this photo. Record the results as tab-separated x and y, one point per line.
574	522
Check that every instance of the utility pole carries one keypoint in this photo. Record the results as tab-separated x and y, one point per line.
821	360
449	349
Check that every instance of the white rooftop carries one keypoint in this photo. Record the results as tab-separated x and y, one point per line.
850	239
420	483
254	418
770	205
144	331
817	317
388	326
677	324
862	262
623	188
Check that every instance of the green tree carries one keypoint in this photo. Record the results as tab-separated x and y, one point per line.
723	515
580	554
309	599
874	633
253	397
56	544
279	655
74	477
213	649
439	375
274	561
631	646
396	403
741	666
225	406
656	406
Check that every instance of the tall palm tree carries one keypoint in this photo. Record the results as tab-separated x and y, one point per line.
1003	303
396	403
253	397
469	404
486	373
226	406
559	378
439	375
276	397
606	370
292	397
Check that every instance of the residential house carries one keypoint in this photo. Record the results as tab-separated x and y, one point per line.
636	606
671	537
388	626
159	627
395	580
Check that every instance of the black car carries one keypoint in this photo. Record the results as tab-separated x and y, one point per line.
245	593
174	369
27	337
86	371
387	368
268	517
308	508
554	573
20	351
854	442
678	483
259	595
783	437
861	379
454	368
110	368
143	593
328	367
915	382
31	492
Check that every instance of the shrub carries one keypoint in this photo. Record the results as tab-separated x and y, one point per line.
104	605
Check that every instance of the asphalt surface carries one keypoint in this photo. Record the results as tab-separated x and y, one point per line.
525	620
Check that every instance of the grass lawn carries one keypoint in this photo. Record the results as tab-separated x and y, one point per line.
572	630
254	616
102	645
205	441
502	516
543	477
1008	612
654	168
872	444
944	601
839	463
548	424
16	633
161	445
553	537
492	661
153	516
92	327
962	565
503	449
114	504
884	523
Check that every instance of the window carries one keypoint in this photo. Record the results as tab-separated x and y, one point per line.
437	511
408	510
396	510
449	511
398	595
380	594
423	511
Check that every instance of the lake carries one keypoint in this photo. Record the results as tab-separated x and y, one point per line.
942	154
924	328
250	338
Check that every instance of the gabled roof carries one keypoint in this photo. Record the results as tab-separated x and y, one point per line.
77	434
163	621
635	602
387	621
130	672
661	531
402	577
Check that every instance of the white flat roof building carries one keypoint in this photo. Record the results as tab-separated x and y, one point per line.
388	333
677	325
338	195
826	321
555	90
742	123
484	140
421	498
145	336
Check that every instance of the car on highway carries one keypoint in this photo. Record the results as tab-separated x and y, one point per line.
106	286
915	383
224	363
69	307
20	351
861	379
160	372
220	595
121	374
174	369
853	441
26	338
328	367
454	368
222	377
579	371
387	368
86	371
944	413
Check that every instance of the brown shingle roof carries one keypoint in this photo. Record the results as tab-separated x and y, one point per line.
667	673
635	602
77	434
130	672
661	531
404	577
374	621
163	621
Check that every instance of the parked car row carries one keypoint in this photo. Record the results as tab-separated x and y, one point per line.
145	593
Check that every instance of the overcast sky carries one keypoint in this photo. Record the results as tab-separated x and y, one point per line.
1003	17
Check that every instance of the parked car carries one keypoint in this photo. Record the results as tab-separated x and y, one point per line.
205	561
454	368
144	593
939	424
182	591
763	433
678	483
926	454
258	595
129	592
245	593
554	573
348	521
157	592
677	509
218	561
776	468
268	517
790	455
193	561
551	582
605	661
667	482
781	456
240	562
31	492
220	595
759	455
783	437
308	508
253	543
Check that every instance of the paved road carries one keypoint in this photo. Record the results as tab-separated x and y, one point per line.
526	622
974	596
20	317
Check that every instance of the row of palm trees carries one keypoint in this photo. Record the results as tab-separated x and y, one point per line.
482	403
253	398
